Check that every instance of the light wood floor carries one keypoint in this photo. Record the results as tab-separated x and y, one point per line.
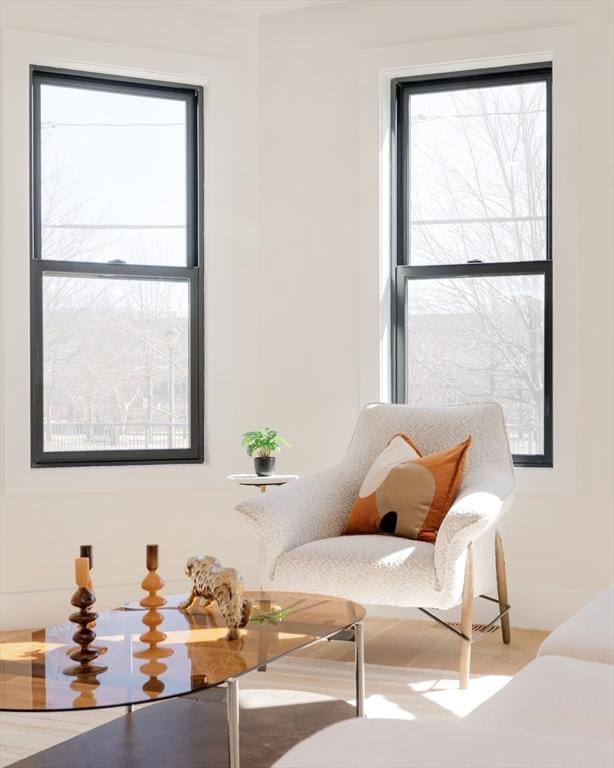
425	644
389	642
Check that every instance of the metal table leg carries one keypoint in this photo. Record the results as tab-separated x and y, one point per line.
359	658
232	713
129	708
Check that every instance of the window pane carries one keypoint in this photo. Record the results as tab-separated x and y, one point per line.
113	168
476	339
116	363
477	177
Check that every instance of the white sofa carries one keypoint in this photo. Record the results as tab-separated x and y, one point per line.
399	744
586	635
557	712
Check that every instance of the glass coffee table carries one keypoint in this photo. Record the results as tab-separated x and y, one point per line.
193	657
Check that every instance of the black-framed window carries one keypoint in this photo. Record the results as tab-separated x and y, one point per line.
472	246
116	270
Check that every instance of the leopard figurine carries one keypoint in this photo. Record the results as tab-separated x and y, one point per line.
224	585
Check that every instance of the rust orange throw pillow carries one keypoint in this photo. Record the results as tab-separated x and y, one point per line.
408	496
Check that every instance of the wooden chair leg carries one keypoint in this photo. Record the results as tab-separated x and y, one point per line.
466	622
502	588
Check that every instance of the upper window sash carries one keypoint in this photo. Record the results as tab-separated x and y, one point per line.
402	91
129	222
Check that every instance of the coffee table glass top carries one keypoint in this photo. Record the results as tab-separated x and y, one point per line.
194	655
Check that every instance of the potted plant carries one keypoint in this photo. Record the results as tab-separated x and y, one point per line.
261	443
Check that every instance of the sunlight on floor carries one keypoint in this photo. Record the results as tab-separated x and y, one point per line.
446	693
380	706
443	692
392	692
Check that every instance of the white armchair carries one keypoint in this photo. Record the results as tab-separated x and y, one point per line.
299	524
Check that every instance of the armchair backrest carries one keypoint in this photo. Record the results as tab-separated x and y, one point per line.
433	428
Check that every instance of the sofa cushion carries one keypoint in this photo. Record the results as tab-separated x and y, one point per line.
403	744
556	696
382	570
408	497
588	634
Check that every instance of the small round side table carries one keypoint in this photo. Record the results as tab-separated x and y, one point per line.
260	481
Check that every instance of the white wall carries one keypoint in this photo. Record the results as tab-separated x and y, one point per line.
293	273
320	239
47	513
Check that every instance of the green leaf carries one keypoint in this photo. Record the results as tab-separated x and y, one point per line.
263	442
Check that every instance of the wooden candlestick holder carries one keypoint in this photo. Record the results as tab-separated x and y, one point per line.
86	550
83	599
152	619
152	583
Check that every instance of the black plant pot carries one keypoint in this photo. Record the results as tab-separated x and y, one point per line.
264	467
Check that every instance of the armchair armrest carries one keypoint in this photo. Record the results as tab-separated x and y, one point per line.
474	512
301	511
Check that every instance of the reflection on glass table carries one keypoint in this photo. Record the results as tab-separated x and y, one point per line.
193	656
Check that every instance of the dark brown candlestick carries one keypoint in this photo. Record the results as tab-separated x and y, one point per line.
86	550
84	636
152	557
